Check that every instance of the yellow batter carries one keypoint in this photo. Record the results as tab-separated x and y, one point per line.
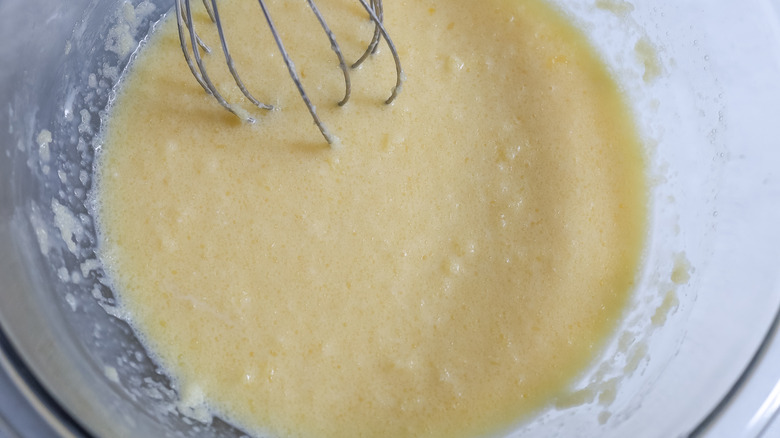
444	273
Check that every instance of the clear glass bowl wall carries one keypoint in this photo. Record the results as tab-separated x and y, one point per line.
702	78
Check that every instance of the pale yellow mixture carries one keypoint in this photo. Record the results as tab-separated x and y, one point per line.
445	272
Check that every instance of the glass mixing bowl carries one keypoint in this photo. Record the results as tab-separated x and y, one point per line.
702	78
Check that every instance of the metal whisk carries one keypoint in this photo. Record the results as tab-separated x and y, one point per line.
191	45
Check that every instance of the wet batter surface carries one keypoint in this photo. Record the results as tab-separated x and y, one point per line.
445	272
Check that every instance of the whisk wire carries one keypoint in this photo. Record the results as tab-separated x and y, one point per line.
334	45
396	58
202	44
374	44
182	39
210	11
190	39
200	73
214	12
294	75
